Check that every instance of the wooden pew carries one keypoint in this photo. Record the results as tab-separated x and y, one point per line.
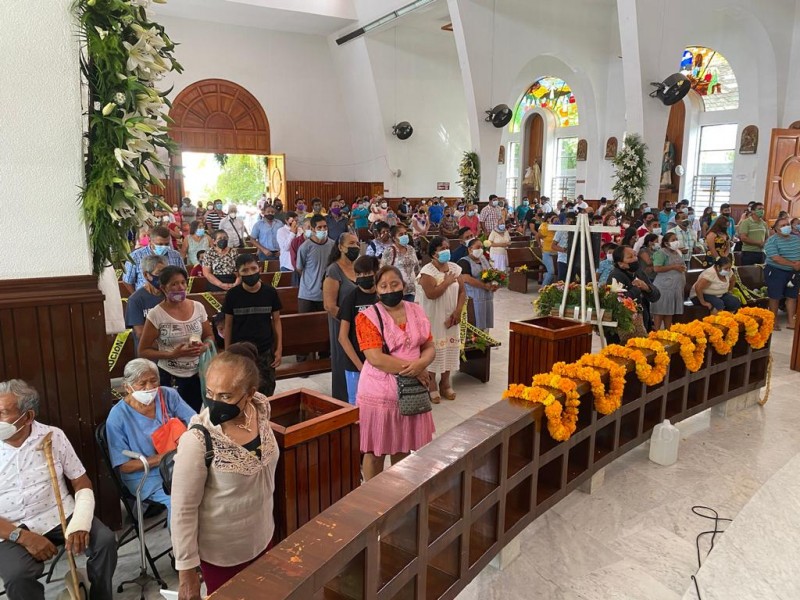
477	364
287	295
126	354
272	265
517	257
752	276
200	284
303	334
125	290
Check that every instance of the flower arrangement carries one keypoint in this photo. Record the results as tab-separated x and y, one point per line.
613	300
495	276
630	174
126	54
756	334
521	269
722	343
470	173
611	398
691	340
562	420
648	374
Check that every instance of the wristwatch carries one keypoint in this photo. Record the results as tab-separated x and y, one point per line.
14	535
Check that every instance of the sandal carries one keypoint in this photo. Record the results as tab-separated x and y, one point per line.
447	393
435	397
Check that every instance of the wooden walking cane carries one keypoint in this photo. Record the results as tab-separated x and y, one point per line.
73	580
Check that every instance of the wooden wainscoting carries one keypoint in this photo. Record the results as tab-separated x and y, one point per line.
53	335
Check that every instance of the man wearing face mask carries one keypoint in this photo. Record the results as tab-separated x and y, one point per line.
253	314
188	211
265	234
337	224
214	216
781	271
279	213
753	233
312	259
146	297
233	225
687	238
159	245
30	528
491	215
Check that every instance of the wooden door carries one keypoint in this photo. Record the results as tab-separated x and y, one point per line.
535	149
276	176
783	176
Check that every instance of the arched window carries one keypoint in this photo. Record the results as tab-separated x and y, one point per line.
712	78
550	93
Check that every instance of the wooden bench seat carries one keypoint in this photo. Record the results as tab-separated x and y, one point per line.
303	334
752	276
517	257
287	295
200	284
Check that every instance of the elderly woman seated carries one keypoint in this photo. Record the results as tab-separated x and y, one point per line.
132	422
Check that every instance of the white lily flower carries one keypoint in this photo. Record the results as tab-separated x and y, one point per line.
101	32
616	287
126	157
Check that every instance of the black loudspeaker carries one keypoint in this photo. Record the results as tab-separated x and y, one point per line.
672	90
499	116
402	130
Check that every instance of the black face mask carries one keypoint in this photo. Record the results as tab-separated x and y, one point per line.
222	244
352	254
220	412
367	282
269	217
634	266
392	299
251	280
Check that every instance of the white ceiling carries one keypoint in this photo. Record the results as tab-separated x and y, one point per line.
315	17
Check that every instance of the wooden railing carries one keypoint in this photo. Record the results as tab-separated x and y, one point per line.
426	527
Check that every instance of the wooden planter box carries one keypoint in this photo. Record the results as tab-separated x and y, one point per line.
536	344
518	282
320	460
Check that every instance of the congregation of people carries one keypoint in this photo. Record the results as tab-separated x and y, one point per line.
394	289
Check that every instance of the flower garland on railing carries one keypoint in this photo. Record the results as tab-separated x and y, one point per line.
125	55
692	338
756	333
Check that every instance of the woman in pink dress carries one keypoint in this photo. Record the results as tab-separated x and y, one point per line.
407	336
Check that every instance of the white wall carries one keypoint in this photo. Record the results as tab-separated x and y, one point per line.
41	166
420	82
294	78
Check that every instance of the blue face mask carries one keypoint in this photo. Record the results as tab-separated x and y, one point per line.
201	231
444	256
403	239
786	229
321	235
501	228
307	233
160	250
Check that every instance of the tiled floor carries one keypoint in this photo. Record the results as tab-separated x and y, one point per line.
634	537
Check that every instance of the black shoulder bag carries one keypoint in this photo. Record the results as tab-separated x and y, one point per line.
167	464
413	398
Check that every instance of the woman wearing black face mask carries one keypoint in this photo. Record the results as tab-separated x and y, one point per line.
208	529
628	273
219	264
340	277
395	337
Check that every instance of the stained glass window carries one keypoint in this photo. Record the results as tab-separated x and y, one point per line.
553	94
712	77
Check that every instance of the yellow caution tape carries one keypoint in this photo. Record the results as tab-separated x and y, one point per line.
116	348
212	301
118	273
466	327
276	279
189	285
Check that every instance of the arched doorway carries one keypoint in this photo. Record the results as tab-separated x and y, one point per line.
215	116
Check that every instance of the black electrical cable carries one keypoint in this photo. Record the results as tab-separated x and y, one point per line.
713	516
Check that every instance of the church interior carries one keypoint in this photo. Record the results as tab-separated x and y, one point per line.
575	450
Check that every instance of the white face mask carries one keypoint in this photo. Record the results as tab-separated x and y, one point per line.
7	430
145	397
477	253
675	245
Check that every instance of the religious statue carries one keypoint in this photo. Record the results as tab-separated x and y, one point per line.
501	157
749	143
582	150
667	164
533	177
611	148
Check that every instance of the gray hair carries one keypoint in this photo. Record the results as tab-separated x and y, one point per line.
151	261
26	395
136	368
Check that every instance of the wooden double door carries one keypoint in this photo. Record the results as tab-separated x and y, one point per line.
783	175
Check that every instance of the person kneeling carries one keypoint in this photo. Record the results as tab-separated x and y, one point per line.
29	520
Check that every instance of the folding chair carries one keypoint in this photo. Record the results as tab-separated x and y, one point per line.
129	502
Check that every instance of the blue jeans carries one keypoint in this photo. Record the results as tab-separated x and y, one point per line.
549	260
351	377
725	302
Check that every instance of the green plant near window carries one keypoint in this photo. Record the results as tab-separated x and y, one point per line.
470	173
125	55
630	176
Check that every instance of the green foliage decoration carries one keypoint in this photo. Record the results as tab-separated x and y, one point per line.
125	55
470	173
630	176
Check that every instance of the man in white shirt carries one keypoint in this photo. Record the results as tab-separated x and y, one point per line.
30	527
580	203
286	235
687	238
233	225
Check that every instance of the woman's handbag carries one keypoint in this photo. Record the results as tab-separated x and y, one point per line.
165	438
413	398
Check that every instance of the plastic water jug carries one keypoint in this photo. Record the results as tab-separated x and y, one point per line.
664	443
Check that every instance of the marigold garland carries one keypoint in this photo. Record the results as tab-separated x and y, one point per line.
722	343
561	422
648	374
756	334
691	340
606	400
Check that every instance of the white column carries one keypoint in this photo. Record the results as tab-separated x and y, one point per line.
41	163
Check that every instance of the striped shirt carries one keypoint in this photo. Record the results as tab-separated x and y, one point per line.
787	247
133	270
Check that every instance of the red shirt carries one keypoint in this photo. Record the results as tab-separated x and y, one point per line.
294	246
472	222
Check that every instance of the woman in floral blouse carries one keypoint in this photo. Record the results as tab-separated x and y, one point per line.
219	264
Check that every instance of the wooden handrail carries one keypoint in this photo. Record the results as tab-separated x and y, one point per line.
426	527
